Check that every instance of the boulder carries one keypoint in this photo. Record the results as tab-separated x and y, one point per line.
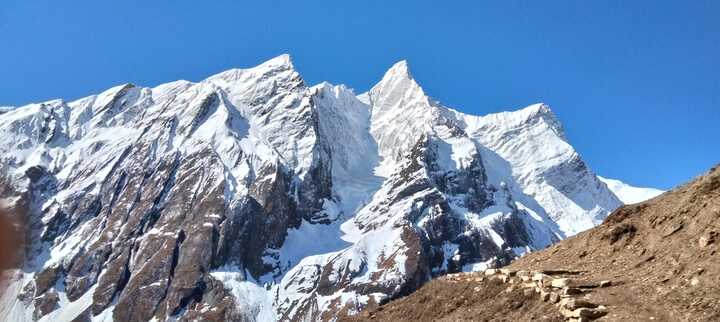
590	313
571	291
707	239
582	313
559	272
530	285
576	303
569	282
568	314
523	273
500	277
554	297
578	320
562	283
507	272
545	295
490	272
587	284
703	241
541	279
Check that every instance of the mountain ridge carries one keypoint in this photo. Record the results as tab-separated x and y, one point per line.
275	199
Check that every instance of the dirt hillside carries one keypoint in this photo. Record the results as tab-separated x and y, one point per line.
654	261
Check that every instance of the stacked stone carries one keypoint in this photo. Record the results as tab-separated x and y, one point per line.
568	294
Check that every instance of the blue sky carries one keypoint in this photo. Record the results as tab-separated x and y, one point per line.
635	83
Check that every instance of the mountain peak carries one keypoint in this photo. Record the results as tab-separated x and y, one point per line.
281	64
400	68
536	110
283	60
531	114
400	71
396	87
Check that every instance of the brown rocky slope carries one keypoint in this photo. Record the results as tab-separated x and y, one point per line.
657	261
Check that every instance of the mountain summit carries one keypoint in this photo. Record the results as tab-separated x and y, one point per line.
252	196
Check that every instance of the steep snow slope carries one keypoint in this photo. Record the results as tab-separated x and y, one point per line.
629	194
545	165
250	195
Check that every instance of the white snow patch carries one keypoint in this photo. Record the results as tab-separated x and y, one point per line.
629	194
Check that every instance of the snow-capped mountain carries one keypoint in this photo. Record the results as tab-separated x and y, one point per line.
253	196
629	194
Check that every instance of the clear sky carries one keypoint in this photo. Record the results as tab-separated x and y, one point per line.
635	83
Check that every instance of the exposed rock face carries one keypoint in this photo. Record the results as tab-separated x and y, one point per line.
45	303
250	195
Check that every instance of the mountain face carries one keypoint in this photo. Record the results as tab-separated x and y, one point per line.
253	196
